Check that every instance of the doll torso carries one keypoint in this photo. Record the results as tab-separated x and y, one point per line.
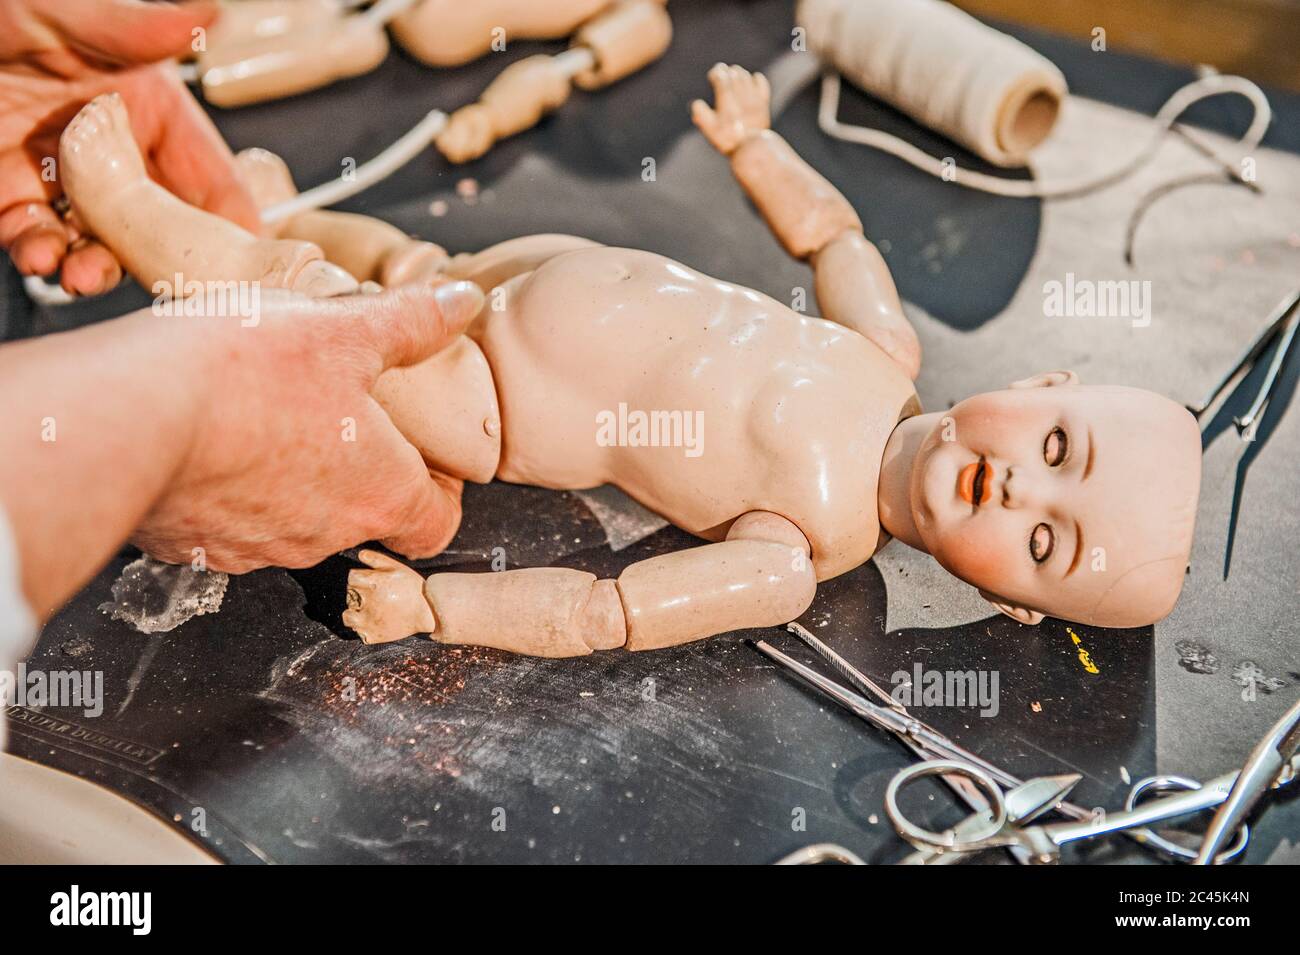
602	352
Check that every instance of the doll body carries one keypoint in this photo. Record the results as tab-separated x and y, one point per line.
791	442
788	415
786	419
757	408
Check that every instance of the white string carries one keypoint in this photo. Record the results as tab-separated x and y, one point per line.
385	10
410	145
46	293
979	87
1175	106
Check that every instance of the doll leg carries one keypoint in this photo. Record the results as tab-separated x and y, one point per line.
157	236
374	250
264	49
370	249
760	576
624	37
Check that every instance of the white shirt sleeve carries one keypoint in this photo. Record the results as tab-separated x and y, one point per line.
17	625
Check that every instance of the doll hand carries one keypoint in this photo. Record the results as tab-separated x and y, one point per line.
387	602
742	109
469	134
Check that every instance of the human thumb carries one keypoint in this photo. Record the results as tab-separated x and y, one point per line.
409	324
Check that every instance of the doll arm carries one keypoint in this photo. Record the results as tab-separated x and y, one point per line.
760	576
808	215
610	46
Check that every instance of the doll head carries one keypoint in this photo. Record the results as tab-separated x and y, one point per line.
1056	498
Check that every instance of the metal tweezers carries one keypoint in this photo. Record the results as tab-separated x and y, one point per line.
1281	328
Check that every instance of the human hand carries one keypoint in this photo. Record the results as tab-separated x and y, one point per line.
56	57
743	107
290	458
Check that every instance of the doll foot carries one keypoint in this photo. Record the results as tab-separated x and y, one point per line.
386	602
321	279
98	155
266	175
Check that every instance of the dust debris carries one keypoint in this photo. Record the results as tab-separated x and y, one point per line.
1249	674
380	708
155	597
467	189
76	648
1195	658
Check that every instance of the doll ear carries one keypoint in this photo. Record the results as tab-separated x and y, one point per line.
1047	379
1015	612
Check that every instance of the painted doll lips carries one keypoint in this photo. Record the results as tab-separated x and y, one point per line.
973	483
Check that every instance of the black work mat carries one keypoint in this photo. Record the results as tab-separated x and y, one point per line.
288	740
296	742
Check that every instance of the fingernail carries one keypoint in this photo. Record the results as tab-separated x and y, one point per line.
459	302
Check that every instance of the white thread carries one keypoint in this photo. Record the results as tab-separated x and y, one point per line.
410	145
981	88
867	36
1175	106
386	10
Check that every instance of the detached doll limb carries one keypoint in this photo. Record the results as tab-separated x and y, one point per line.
614	44
809	216
286	48
453	32
156	235
760	576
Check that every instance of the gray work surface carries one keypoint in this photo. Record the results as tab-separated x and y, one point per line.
298	743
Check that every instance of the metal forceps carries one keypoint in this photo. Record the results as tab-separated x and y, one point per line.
1282	325
1023	802
922	739
1274	762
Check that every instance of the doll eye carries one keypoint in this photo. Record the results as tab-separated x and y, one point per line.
1041	543
1055	447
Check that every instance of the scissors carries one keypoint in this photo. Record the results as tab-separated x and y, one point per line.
928	743
1281	328
1274	762
980	783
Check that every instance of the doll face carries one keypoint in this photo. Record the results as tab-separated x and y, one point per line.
1063	499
